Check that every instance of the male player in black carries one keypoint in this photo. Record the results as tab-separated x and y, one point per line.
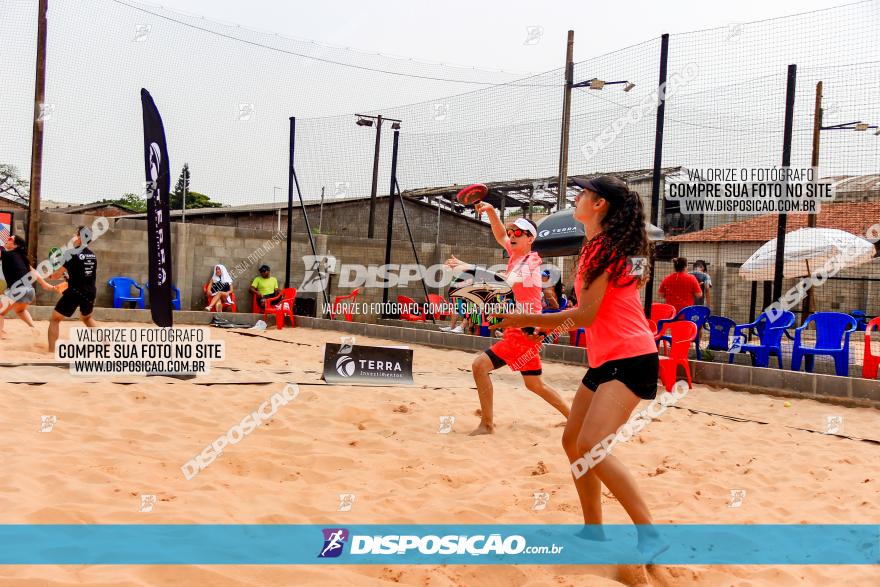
82	271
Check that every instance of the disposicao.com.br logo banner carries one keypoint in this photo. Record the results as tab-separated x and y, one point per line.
266	544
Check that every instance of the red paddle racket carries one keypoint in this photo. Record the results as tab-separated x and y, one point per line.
472	194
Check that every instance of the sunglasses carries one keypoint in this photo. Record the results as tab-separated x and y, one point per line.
517	232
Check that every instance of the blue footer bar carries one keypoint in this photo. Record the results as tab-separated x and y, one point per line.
435	544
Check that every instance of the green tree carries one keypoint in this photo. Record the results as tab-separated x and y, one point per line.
132	202
197	200
193	199
181	187
12	186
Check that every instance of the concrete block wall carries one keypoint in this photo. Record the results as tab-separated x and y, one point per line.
349	219
196	248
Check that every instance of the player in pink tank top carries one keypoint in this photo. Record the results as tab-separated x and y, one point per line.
621	351
517	349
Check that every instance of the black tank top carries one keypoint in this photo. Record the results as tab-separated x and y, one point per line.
15	265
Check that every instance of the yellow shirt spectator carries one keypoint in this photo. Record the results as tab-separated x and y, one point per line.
265	286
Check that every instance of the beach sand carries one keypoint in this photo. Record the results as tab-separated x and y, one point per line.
113	443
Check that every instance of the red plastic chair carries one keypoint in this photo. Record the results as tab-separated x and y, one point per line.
662	312
682	333
255	307
440	305
409	303
340	307
229	306
871	364
283	307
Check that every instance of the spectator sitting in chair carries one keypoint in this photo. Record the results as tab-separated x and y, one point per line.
219	289
265	287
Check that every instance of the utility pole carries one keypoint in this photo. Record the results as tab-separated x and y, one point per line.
33	231
566	123
807	307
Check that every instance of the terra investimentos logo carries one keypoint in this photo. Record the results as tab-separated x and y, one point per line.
345	366
349	366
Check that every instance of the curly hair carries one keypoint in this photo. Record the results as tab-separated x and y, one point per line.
623	235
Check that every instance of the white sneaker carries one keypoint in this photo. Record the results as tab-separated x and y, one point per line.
446	328
457	330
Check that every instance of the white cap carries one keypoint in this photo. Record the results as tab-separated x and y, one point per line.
526	225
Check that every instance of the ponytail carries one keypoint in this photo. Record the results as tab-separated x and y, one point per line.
623	235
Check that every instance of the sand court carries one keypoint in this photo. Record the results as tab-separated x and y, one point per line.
117	445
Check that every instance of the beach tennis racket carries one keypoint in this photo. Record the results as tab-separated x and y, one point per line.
472	194
56	257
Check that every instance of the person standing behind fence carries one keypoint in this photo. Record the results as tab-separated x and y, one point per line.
705	282
680	288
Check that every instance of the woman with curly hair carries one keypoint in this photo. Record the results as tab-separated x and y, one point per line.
622	355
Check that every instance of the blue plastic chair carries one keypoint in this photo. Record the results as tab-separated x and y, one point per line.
696	314
122	291
831	329
719	329
769	333
175	301
861	319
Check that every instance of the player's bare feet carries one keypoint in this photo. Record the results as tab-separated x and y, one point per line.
483	428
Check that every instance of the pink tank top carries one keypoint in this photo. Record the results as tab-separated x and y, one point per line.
527	289
620	329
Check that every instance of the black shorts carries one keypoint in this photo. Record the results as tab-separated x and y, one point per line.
498	362
71	300
639	374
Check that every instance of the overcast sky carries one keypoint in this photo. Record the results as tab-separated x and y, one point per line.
227	75
489	33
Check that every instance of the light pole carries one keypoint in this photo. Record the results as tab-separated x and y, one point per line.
592	84
818	116
365	120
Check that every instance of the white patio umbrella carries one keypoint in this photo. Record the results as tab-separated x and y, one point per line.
807	250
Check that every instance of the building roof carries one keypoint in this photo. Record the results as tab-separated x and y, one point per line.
82	208
6	201
309	201
869	184
852	217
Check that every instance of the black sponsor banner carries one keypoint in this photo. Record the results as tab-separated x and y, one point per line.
158	214
367	365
